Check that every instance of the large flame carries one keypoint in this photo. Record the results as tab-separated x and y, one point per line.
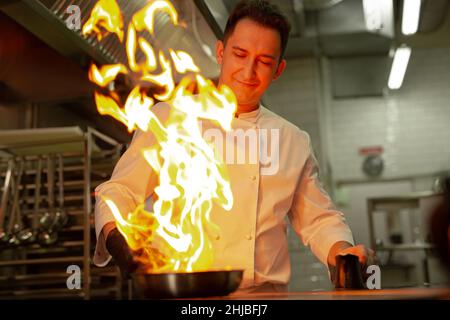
176	235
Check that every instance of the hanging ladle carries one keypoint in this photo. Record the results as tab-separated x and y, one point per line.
29	235
61	217
4	237
48	236
46	221
15	222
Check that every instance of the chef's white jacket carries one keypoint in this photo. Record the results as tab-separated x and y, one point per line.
253	234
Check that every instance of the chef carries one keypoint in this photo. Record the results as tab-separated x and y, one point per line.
278	182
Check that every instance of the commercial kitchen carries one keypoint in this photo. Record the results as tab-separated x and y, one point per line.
369	81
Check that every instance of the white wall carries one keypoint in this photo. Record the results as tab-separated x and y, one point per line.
294	96
412	124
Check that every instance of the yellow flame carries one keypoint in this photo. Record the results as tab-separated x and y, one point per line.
106	74
105	15
151	63
175	236
183	61
131	48
164	79
145	18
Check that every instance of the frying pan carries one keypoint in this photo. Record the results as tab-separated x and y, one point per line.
185	285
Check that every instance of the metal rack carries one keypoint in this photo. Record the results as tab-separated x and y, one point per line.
391	207
38	271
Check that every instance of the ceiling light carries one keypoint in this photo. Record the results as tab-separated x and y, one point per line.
411	15
399	65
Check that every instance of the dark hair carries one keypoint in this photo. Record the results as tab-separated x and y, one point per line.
262	12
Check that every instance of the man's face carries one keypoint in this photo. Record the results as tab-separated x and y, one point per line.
250	61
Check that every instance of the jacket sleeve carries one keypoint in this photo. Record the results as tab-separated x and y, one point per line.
313	215
131	183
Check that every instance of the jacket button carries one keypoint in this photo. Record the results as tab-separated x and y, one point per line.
253	178
217	237
249	237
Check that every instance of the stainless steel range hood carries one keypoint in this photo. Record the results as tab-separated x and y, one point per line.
47	20
44	63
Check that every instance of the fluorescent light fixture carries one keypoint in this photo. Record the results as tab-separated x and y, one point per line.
399	65
372	14
411	15
378	16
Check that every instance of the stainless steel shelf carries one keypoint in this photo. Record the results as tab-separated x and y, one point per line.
405	247
56	293
392	206
81	175
7	263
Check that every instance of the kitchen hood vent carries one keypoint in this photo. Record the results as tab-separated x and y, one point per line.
47	20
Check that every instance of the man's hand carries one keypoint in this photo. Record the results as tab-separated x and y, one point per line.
121	252
365	256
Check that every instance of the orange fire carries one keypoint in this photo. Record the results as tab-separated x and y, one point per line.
175	236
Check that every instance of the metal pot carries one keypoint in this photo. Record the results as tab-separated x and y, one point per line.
186	285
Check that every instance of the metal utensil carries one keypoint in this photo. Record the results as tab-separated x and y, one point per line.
61	217
186	285
15	222
29	235
48	236
46	221
5	196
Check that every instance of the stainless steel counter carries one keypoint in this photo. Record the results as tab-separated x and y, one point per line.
383	294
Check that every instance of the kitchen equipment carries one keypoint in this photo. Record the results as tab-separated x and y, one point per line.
46	221
4	204
48	236
373	165
15	222
29	235
348	272
186	285
61	217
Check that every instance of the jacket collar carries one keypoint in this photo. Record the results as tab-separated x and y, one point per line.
251	116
